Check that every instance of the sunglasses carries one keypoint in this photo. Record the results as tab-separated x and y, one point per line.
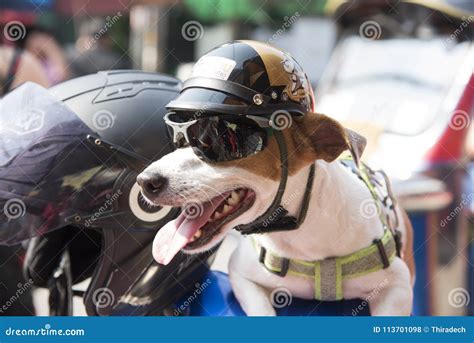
219	138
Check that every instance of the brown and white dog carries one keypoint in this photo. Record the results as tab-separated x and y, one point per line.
227	194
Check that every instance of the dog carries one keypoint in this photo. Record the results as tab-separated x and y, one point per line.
219	196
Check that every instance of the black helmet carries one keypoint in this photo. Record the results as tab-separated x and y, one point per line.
246	77
69	157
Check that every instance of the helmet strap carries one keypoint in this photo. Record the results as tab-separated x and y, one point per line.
275	217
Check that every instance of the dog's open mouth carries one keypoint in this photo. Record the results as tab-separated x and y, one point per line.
199	223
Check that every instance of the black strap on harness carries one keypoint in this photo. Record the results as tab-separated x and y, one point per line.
275	217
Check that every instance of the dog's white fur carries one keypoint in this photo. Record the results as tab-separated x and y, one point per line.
333	226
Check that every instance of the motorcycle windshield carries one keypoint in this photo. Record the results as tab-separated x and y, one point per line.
42	149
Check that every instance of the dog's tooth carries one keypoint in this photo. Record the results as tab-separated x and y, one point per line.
234	198
233	201
226	209
216	215
198	234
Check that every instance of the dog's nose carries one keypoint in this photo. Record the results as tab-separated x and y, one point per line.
151	184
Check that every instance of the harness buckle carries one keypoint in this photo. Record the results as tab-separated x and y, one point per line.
285	264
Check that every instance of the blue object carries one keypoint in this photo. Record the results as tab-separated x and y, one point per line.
27	5
421	298
216	298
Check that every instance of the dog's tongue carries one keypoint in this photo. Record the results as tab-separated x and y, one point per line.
174	236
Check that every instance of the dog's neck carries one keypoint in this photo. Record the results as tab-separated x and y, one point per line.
334	224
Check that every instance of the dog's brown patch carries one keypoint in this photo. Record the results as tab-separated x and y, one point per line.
311	137
265	163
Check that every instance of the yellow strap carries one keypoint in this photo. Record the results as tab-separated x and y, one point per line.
342	260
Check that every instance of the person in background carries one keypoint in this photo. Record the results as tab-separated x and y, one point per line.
42	44
18	66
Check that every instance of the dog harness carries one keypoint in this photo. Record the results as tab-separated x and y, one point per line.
328	274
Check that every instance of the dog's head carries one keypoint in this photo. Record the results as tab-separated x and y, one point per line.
215	197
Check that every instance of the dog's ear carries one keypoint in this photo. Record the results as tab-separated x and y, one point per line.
328	138
357	144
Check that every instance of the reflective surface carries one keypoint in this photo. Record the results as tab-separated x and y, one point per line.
221	138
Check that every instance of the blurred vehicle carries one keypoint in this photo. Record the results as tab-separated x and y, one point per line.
403	77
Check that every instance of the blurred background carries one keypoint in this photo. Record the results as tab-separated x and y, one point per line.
398	71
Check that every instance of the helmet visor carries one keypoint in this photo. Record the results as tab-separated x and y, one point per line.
200	100
42	152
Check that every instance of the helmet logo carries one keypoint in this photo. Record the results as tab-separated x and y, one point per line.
288	65
146	216
214	66
296	90
30	120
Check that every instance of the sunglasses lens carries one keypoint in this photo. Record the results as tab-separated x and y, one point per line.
217	139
